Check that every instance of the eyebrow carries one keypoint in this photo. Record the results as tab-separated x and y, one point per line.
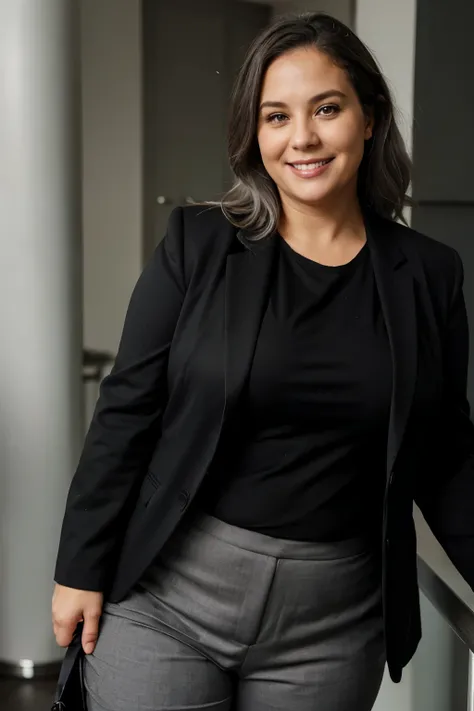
313	100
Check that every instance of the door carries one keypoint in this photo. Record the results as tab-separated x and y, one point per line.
190	52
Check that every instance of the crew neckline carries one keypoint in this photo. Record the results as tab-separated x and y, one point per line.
317	265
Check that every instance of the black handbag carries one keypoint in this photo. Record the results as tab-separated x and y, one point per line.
70	691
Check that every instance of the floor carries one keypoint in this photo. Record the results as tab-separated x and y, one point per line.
26	695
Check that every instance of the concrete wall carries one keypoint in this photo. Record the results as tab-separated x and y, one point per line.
111	86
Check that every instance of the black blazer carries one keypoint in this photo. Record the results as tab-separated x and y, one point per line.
185	353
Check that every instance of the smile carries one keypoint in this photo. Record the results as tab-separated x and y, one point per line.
310	170
311	166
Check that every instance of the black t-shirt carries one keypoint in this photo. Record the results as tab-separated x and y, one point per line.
306	457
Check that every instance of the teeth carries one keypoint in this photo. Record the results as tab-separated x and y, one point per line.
310	166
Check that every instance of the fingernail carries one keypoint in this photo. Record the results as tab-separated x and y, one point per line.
89	648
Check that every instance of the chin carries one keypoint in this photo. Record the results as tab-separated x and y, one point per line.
310	198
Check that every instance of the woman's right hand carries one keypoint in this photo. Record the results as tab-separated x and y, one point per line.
71	606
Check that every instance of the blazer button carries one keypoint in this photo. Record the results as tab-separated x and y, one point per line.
183	499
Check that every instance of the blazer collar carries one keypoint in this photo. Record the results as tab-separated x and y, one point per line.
383	237
248	279
396	289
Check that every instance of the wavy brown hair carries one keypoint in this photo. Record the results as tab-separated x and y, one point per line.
253	203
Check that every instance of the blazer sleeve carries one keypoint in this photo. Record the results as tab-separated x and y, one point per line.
446	495
126	422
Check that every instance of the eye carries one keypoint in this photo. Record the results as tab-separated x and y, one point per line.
329	110
276	118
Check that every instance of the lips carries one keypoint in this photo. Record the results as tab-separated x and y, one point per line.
311	164
309	169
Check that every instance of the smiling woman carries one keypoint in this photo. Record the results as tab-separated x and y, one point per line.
312	121
241	519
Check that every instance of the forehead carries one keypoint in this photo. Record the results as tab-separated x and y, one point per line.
305	68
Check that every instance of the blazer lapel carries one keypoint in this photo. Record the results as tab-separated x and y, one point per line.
248	277
395	284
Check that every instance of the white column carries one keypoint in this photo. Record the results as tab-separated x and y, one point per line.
40	312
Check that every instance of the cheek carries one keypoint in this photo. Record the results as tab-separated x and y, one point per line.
358	151
350	139
271	145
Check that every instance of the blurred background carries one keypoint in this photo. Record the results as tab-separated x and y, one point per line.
112	112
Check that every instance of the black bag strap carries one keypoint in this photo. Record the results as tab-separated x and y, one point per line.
73	652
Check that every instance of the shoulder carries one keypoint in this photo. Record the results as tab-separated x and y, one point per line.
440	263
431	251
199	238
199	226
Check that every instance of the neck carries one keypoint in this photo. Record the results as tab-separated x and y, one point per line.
322	225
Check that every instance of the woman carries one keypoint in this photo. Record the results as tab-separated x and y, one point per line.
291	377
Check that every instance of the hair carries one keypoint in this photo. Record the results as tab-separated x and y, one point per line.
253	203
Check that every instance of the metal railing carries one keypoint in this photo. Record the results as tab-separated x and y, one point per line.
95	364
452	605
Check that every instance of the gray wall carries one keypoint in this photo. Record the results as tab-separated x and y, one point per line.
444	111
443	133
111	69
111	116
453	223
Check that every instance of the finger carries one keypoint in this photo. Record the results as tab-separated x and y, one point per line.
90	631
63	631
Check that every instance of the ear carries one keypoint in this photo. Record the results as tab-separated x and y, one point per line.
369	123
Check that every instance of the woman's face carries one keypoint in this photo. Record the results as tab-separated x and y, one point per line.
311	129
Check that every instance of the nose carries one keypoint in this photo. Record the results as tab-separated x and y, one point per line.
304	134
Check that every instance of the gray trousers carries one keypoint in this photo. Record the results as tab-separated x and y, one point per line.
227	618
